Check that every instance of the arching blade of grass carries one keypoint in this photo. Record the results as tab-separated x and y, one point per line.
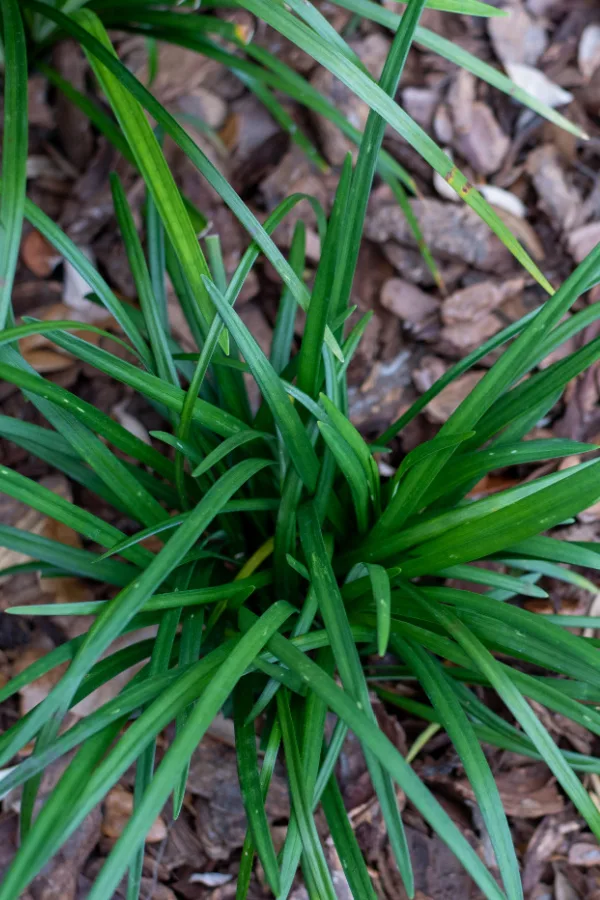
368	154
70	560
346	843
476	464
172	127
363	86
477	575
293	433
119	611
351	469
151	312
283	332
56	507
154	388
530	723
460	57
14	151
523	519
384	751
227	447
316	865
453	718
320	310
250	786
52	826
180	750
65	246
351	674
488	390
463	7
266	773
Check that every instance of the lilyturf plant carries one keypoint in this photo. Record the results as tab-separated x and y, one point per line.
287	562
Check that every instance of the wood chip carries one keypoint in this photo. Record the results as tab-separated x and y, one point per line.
536	83
38	254
118	808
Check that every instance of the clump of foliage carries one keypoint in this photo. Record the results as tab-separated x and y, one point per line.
287	561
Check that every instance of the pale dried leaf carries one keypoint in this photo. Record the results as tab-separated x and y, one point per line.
538	84
118	807
504	200
38	254
588	54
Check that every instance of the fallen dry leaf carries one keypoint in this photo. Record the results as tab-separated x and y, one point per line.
450	230
517	37
118	808
559	199
503	199
75	290
38	690
133	425
538	84
583	853
407	301
478	300
441	407
588	54
38	254
583	240
523	231
526	791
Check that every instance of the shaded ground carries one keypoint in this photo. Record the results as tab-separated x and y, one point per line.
547	189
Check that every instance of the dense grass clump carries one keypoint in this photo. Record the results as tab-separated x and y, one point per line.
287	561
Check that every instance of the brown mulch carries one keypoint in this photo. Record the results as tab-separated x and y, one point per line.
544	184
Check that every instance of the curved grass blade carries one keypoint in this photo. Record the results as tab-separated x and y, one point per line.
250	786
89	273
493	579
266	773
153	166
364	87
348	662
462	58
119	611
14	151
67	559
515	702
494	383
180	750
453	718
516	521
309	358
153	319
182	139
211	417
311	845
469	466
366	164
351	468
383	750
228	446
292	431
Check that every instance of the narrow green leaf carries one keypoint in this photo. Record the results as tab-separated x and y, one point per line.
247	762
14	151
452	716
370	735
352	471
311	845
228	446
153	166
294	436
